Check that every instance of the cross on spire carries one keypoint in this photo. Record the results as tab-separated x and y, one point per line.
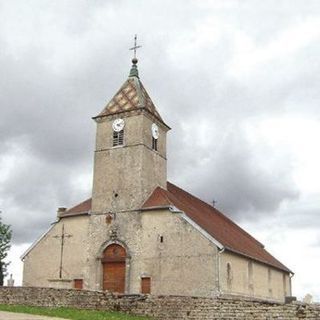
134	48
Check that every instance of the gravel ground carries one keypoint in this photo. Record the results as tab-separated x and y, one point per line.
22	316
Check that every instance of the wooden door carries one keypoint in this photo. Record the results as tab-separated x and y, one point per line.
146	285
114	268
114	276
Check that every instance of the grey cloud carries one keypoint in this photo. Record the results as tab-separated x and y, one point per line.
232	176
34	190
304	214
62	62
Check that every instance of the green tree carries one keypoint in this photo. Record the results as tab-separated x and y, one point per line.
5	238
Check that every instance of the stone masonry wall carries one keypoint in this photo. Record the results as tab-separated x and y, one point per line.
160	307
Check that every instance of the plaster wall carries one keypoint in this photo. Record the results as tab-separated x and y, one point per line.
265	281
42	263
125	229
183	264
176	265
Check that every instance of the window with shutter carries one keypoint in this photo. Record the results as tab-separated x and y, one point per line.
118	138
154	144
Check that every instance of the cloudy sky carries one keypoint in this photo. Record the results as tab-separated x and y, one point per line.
238	82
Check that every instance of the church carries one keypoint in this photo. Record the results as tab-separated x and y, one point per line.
141	234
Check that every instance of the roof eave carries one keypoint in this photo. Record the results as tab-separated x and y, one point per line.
156	208
99	116
74	214
37	241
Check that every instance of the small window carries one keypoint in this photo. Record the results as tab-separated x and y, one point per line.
78	284
118	138
269	277
270	282
146	285
161	239
154	144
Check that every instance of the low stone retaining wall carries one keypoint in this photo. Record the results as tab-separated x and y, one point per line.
160	307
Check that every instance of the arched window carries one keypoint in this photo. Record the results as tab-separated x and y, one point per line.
229	276
270	281
250	277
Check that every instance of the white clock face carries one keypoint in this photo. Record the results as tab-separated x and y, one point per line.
118	125
155	131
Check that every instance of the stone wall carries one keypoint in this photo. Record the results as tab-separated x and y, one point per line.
160	307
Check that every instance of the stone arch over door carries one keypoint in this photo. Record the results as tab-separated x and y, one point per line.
114	268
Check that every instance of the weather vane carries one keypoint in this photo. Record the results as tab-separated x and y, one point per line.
134	48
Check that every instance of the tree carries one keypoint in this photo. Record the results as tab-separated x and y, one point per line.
5	238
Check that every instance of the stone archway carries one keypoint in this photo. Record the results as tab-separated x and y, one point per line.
114	268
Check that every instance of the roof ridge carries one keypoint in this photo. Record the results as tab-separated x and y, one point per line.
220	214
165	194
158	191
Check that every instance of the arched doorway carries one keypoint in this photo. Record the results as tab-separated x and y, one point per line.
114	268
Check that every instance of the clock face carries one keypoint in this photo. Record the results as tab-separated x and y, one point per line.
118	125
155	131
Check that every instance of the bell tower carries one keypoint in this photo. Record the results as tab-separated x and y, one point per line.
130	152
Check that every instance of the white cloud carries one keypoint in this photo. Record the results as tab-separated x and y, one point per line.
251	58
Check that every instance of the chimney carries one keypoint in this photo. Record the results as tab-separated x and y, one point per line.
61	211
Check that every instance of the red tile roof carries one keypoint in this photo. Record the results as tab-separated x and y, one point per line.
83	207
221	228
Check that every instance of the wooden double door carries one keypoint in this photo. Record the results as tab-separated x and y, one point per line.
114	268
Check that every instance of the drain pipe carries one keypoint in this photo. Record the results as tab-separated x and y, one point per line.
218	262
290	283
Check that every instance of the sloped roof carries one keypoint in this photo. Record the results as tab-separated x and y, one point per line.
131	96
221	228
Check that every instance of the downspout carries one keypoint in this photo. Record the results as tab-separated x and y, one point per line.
218	262
290	283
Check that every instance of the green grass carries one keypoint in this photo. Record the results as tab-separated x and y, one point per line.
70	313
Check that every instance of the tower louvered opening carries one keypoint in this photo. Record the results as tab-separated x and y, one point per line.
118	138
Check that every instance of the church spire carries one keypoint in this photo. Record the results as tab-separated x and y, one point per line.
132	95
134	69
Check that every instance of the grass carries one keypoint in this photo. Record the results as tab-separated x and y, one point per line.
70	313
